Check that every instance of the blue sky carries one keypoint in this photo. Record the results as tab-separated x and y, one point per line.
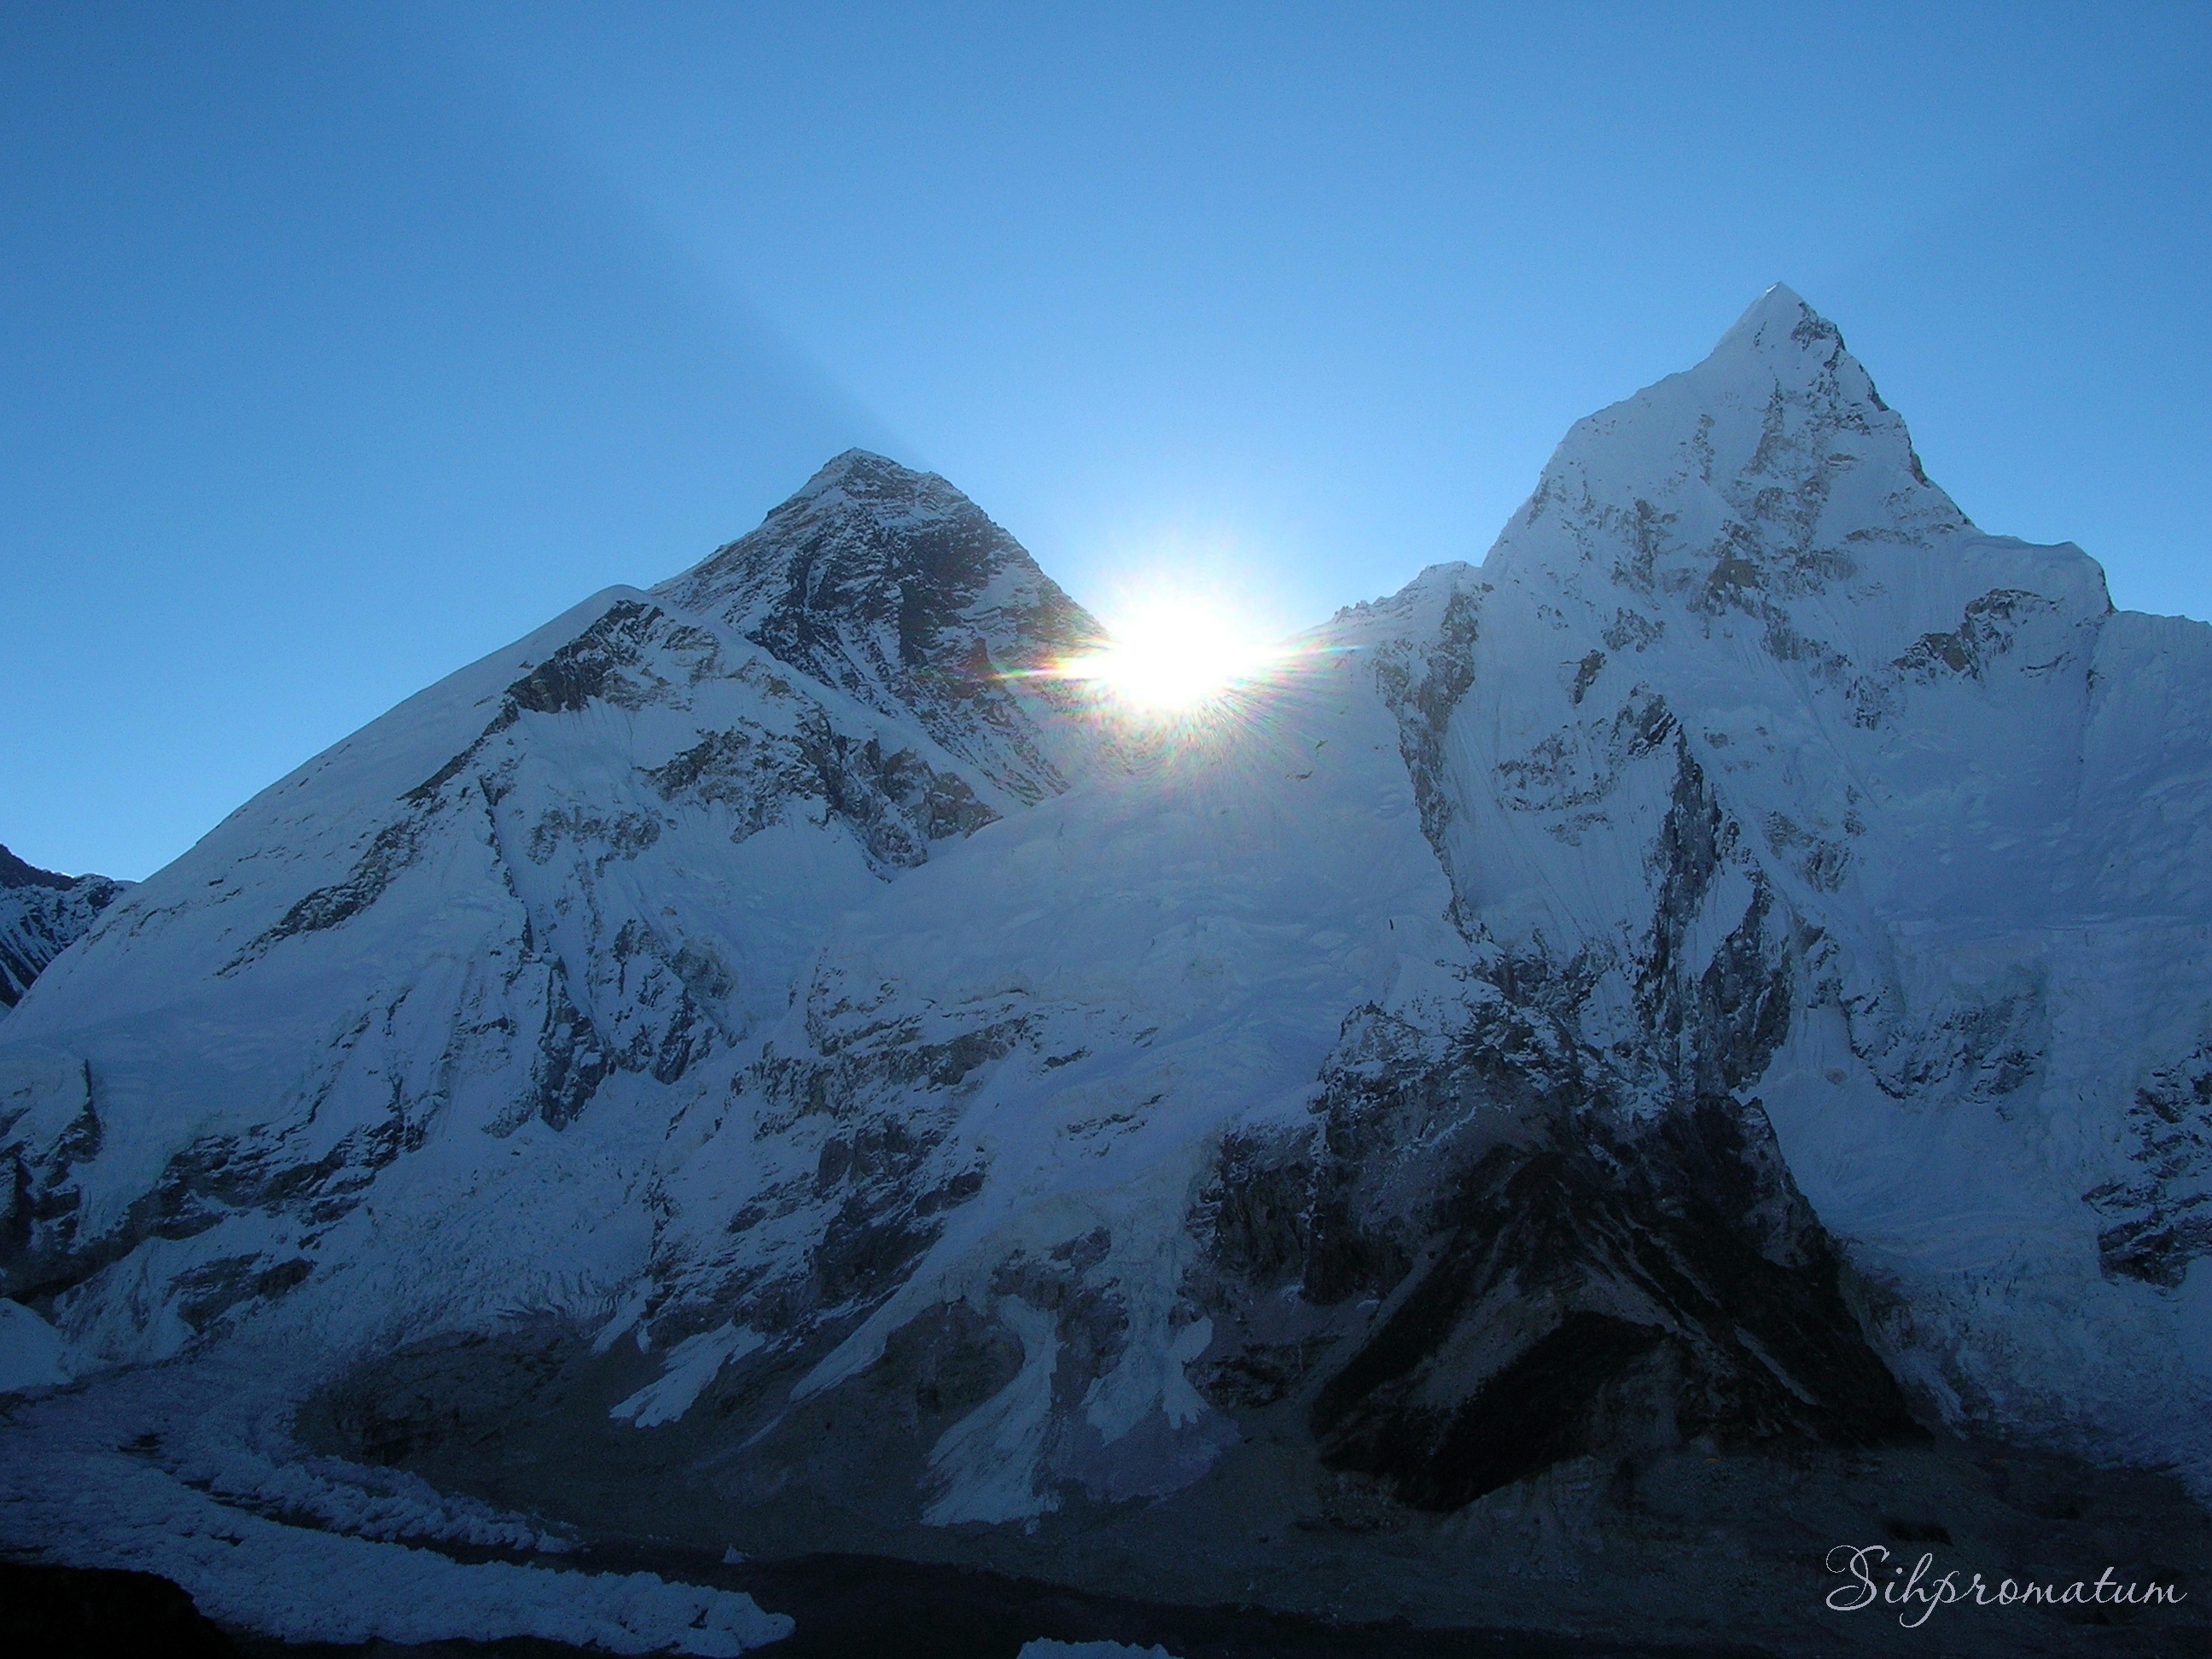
339	345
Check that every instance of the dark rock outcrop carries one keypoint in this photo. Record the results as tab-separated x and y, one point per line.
42	914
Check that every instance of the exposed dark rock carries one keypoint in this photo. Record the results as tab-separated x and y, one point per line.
1608	1292
214	1288
572	1059
594	665
1554	1275
2160	1221
1631	630
897	589
15	873
1988	630
391	850
1422	693
98	1613
1586	673
1718	1032
895	803
42	914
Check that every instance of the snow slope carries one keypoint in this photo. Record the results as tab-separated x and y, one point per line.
1733	966
469	953
94	1491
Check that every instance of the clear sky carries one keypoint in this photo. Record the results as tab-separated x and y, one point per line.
340	344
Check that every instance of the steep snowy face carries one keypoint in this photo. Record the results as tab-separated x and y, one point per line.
42	914
1728	967
1756	536
467	962
1760	775
1665	983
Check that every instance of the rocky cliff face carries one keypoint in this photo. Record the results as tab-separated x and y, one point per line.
42	914
1728	972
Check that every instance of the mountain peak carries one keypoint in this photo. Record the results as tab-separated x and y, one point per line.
862	531
1779	303
877	489
865	472
1500	1053
1777	330
893	586
1776	439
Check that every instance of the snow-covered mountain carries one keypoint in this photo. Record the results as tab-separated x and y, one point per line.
530	903
1735	969
42	914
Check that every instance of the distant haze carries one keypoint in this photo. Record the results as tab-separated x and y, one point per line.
341	345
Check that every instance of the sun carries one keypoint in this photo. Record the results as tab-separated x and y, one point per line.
1173	653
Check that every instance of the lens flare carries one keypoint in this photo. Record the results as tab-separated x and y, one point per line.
1172	655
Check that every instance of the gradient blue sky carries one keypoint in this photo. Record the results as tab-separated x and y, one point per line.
339	345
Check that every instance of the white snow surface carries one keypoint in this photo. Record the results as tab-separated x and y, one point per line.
1966	770
691	1366
551	982
86	1483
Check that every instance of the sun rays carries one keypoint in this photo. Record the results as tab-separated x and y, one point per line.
1171	655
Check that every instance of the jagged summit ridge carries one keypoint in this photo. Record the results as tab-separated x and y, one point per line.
1779	324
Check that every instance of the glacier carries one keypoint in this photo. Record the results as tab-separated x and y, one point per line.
763	1056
